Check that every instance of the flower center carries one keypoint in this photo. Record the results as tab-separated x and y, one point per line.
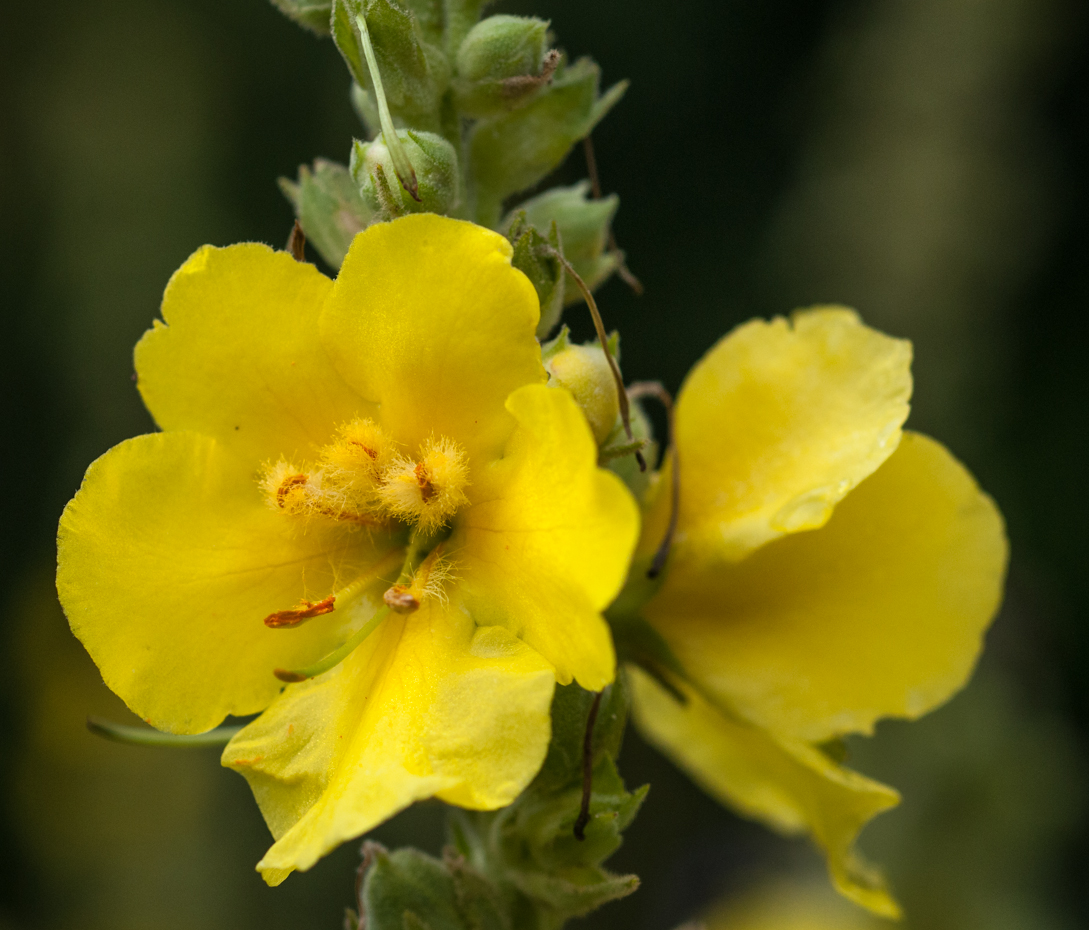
361	478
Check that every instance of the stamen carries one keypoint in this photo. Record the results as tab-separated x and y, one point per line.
305	611
430	491
418	544
316	494
427	582
337	656
288	619
656	390
401	600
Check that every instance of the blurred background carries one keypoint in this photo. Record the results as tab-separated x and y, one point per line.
922	160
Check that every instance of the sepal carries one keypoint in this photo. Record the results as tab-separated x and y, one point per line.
310	14
535	256
415	72
329	207
583	224
512	152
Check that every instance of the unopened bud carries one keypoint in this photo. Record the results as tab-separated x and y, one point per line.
502	63
584	371
434	162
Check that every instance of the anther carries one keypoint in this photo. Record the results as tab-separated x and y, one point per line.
401	600
334	658
305	611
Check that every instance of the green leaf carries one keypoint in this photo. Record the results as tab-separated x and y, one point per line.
329	207
406	890
310	14
513	151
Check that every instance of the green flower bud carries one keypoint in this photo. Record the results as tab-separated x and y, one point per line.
434	161
585	372
502	63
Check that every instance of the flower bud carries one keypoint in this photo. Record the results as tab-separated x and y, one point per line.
436	168
585	372
502	63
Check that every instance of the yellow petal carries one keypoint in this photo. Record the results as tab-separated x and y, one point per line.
429	705
169	561
881	612
778	422
240	357
429	320
790	786
545	546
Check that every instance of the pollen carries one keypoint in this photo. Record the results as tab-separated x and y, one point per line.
427	492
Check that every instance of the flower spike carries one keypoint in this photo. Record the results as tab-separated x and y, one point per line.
406	174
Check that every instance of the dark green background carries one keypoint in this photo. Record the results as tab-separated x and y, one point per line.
922	160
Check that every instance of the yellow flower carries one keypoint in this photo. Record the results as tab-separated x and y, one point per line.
827	570
375	453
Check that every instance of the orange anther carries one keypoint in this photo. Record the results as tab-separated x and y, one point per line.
302	613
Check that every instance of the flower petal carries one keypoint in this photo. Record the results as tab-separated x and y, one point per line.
429	320
429	705
790	786
169	561
545	546
240	358
880	613
778	422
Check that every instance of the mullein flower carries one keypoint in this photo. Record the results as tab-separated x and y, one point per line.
366	487
826	570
